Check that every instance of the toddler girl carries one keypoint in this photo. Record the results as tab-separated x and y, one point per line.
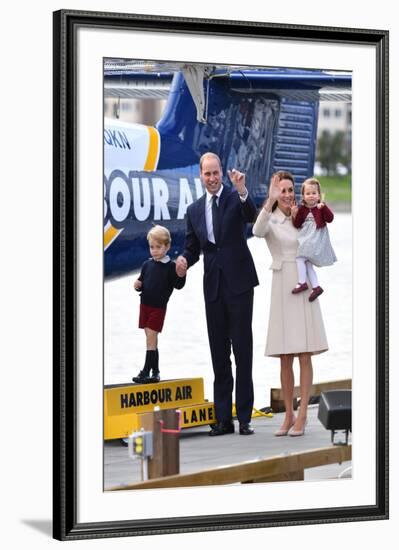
314	246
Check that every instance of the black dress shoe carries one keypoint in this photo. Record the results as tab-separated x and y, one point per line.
222	428
143	377
245	429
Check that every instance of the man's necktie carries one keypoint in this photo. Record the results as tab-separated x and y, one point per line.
215	218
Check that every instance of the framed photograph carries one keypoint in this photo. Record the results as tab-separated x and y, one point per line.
253	93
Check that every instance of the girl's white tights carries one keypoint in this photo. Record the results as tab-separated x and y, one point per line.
306	268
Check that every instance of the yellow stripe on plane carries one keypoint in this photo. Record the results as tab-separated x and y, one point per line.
110	235
110	232
153	150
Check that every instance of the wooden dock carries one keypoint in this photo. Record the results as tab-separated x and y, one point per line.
277	396
199	452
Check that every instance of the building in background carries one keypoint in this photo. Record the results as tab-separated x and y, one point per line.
334	138
335	116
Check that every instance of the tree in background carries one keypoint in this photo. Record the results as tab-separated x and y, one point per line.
333	149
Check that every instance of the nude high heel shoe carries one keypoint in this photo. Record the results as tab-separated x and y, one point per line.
281	433
297	433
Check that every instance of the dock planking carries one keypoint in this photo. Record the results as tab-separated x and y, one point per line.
200	452
290	467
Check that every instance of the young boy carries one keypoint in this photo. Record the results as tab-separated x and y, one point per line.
156	282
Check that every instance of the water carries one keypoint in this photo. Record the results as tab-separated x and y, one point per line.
183	343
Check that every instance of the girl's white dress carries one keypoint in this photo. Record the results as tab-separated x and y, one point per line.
314	244
295	324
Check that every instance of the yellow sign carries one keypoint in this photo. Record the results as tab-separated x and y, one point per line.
123	403
197	415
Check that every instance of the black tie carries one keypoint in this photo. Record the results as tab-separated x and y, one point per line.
215	218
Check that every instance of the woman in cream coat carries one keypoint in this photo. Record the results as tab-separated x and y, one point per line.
295	325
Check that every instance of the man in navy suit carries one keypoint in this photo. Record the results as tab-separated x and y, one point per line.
216	226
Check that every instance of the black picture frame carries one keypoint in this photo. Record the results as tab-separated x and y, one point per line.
65	336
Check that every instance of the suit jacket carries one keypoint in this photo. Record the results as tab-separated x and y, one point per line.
231	254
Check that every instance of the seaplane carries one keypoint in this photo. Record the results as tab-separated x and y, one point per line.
257	120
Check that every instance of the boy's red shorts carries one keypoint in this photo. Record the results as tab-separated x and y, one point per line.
151	317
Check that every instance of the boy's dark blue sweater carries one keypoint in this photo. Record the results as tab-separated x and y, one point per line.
158	281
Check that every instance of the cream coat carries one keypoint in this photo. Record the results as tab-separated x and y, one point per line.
295	324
